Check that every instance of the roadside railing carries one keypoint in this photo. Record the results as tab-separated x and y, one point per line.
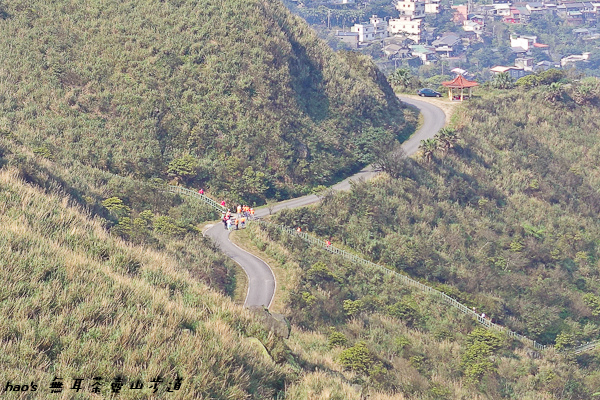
190	193
387	271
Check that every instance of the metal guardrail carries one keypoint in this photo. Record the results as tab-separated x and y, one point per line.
585	347
387	271
408	281
190	193
411	282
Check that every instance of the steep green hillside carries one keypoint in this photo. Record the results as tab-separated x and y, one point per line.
262	106
507	220
79	303
398	342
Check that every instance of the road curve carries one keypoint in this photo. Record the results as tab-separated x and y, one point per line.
261	281
434	119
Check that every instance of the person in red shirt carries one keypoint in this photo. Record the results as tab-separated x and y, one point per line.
201	191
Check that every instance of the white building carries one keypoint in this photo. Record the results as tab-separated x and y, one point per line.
523	41
574	58
432	6
376	28
412	28
502	10
472	26
411	8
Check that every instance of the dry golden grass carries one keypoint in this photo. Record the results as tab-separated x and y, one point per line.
77	302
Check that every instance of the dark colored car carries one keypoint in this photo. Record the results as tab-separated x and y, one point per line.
428	93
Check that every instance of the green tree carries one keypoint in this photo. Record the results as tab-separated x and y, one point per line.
123	228
587	91
400	77
593	302
428	148
357	358
116	206
447	138
353	307
554	92
372	143
391	159
183	168
336	338
503	80
550	76
319	272
404	310
528	81
168	226
476	360
563	341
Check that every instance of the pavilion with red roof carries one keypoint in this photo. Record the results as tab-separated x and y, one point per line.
459	83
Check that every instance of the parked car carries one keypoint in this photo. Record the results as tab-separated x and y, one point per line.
428	93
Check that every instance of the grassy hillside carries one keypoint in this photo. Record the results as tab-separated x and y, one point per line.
258	104
394	342
80	303
506	221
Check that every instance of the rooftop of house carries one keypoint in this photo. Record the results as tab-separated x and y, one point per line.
342	33
523	10
392	48
546	63
447	40
420	49
459	71
500	68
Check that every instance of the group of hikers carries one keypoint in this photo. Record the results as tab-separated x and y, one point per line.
239	219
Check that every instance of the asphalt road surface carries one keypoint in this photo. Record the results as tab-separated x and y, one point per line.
261	281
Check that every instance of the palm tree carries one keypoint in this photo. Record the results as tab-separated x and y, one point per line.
400	77
447	138
554	92
503	81
428	148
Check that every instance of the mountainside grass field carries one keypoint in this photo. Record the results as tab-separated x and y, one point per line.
239	97
80	303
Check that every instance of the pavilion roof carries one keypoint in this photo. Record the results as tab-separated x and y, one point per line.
459	83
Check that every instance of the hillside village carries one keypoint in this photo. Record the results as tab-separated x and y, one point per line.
481	39
466	268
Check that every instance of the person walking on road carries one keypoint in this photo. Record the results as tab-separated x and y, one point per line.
201	191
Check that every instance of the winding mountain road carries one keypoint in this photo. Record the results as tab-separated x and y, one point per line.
261	280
